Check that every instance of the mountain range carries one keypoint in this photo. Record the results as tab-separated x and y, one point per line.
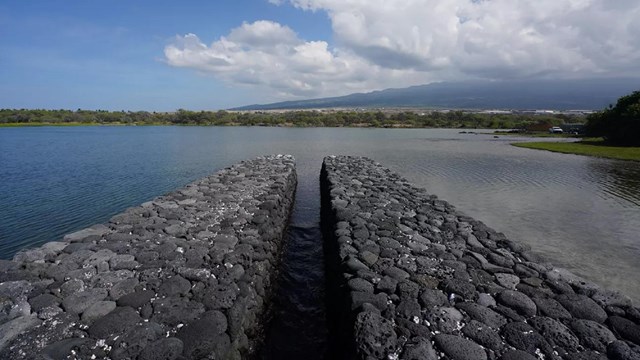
583	94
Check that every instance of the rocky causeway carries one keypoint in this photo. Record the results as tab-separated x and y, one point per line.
185	276
190	275
412	278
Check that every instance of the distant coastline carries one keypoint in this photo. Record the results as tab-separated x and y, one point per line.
463	119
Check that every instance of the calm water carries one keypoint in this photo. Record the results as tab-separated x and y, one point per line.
581	213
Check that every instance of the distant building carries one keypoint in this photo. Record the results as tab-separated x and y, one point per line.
495	112
573	128
578	112
535	112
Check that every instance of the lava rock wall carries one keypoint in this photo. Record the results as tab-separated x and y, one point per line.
185	276
412	278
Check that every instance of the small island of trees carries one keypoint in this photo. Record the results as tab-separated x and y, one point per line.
619	124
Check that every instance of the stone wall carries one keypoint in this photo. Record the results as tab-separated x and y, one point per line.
185	276
415	279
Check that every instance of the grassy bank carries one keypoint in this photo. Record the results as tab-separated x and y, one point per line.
596	148
538	134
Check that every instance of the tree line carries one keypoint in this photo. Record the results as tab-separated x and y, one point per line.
619	124
450	119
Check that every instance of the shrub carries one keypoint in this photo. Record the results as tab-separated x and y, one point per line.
620	124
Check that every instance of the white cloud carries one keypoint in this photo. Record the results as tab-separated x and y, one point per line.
495	38
262	34
384	43
272	56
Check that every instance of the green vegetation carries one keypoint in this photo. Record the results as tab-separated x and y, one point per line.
590	147
411	119
40	124
618	125
616	133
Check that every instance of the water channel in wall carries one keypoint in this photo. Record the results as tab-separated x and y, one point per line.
298	327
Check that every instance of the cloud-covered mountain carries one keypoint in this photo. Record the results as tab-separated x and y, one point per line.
591	94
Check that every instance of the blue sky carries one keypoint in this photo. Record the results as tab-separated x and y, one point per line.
164	55
109	54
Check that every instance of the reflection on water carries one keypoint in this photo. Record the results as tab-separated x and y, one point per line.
617	178
582	213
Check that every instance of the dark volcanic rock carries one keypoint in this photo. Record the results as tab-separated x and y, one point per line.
62	348
517	355
582	307
445	319
165	349
220	297
460	287
619	350
586	355
556	333
174	311
136	299
410	266
419	350
524	337
430	298
459	348
387	284
592	334
517	301
357	284
359	298
205	336
408	309
114	323
409	328
42	301
174	286
483	335
374	335
483	314
627	329
136	339
122	290
98	310
551	308
78	302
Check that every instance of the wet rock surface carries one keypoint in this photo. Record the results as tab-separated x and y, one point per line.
185	276
418	279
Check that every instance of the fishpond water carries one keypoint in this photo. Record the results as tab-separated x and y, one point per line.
578	212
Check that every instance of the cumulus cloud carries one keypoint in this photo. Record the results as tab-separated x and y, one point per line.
382	43
489	38
272	56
